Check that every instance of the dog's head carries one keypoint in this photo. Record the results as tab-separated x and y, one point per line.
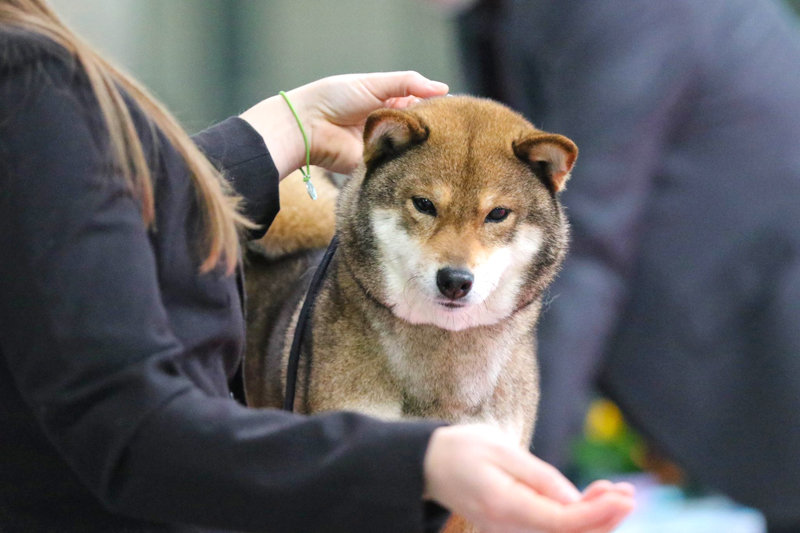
454	218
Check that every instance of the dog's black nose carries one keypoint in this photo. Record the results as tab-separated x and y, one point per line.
453	283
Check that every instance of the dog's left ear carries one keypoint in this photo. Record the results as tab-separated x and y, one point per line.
550	155
390	132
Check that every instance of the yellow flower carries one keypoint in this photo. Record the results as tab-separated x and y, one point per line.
604	421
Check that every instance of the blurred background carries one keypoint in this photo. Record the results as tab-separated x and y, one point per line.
211	59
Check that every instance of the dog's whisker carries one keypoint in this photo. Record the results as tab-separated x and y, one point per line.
406	288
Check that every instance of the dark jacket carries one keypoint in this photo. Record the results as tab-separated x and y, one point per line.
115	353
681	292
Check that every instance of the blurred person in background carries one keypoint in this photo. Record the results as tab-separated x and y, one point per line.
680	295
121	323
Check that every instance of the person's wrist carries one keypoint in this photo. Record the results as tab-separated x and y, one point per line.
274	121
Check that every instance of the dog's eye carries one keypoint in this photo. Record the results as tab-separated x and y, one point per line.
424	205
498	214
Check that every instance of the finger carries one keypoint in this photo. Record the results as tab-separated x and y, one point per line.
401	84
625	488
541	477
603	486
526	508
401	103
596	489
613	522
615	508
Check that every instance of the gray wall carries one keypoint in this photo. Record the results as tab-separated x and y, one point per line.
208	59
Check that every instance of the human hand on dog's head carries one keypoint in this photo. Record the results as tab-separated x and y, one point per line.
480	474
333	112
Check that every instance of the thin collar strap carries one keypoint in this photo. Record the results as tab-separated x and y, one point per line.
303	324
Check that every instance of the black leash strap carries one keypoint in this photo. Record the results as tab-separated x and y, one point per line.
303	323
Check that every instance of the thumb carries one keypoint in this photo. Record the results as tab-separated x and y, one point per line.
540	476
386	85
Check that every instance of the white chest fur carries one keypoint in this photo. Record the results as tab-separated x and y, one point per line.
456	369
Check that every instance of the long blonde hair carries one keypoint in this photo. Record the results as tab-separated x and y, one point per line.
219	206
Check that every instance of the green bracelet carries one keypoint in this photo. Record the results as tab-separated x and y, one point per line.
312	192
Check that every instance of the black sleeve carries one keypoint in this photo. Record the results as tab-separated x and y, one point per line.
236	149
88	341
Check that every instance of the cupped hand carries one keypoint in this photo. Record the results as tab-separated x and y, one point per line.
333	112
479	473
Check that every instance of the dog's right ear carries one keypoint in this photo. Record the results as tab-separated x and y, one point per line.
551	156
390	132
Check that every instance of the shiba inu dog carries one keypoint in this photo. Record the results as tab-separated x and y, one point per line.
449	233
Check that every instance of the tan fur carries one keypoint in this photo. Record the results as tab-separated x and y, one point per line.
302	223
467	156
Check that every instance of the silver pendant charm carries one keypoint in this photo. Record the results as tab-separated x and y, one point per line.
312	192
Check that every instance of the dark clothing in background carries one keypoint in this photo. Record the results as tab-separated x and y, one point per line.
681	291
115	352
